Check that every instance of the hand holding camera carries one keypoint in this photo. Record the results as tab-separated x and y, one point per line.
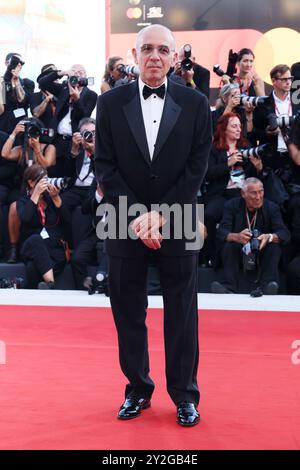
53	191
76	143
235	158
74	93
40	188
244	237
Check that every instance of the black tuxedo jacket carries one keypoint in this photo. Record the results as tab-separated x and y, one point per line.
81	109
122	161
73	166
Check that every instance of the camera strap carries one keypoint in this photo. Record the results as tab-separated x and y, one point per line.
252	223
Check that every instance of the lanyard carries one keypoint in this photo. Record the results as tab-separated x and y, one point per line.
253	221
42	214
246	92
279	113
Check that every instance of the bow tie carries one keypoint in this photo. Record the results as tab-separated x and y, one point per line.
161	91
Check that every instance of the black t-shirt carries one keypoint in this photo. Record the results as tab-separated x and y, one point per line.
7	169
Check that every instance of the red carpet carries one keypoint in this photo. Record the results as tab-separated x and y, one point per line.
61	386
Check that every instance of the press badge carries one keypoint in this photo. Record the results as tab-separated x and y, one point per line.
44	234
20	112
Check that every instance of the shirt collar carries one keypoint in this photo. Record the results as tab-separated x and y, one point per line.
278	100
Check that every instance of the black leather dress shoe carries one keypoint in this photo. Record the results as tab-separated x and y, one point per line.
132	407
187	414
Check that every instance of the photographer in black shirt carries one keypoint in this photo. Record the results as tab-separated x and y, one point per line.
15	93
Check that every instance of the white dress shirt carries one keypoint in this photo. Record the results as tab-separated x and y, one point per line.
152	109
64	126
282	108
86	177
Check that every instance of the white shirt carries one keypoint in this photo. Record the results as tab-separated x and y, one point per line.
282	108
83	180
152	109
64	127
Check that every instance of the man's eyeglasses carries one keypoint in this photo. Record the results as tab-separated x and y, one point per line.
147	49
287	79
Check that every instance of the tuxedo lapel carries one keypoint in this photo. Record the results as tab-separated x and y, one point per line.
134	116
169	118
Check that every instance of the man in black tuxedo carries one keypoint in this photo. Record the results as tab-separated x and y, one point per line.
153	139
73	104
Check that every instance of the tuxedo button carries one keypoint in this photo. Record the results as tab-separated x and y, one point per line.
153	177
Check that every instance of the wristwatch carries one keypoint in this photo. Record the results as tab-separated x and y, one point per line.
270	238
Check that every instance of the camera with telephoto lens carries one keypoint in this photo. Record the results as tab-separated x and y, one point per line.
12	65
253	100
60	183
97	284
250	260
15	283
231	67
81	81
33	130
126	70
187	64
256	152
281	121
88	136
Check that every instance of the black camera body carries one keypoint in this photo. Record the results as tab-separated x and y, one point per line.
34	131
231	67
187	64
250	261
13	63
281	121
97	284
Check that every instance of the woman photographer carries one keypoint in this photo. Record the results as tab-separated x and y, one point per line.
35	152
227	170
112	73
42	215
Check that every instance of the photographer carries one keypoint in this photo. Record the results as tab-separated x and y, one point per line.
74	102
42	213
8	193
43	103
15	92
227	171
31	152
265	118
190	73
112	73
230	97
35	151
251	232
80	165
249	82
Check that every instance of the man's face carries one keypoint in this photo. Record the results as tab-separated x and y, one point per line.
254	196
283	83
78	71
155	55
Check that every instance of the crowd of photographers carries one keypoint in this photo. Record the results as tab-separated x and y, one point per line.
49	195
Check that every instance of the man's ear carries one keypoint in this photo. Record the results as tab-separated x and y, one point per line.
134	54
174	59
243	193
